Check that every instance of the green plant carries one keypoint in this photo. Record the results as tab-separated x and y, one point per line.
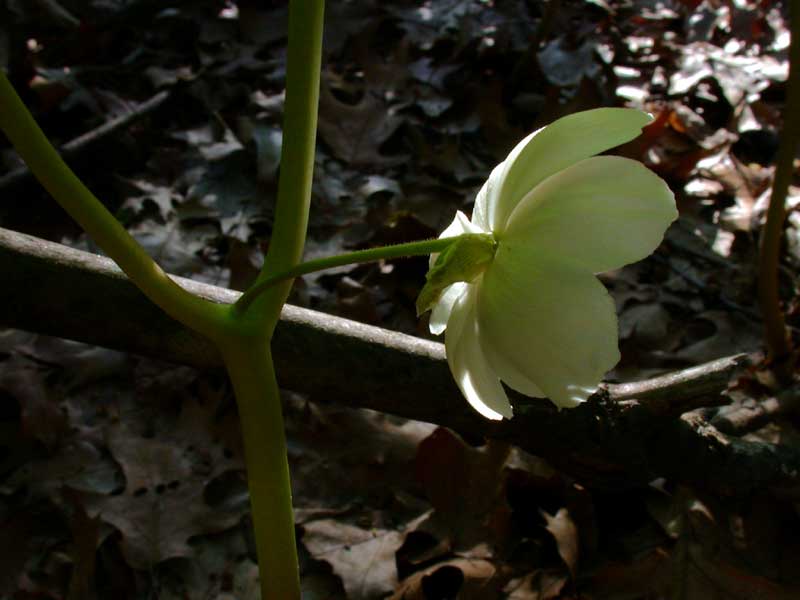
512	255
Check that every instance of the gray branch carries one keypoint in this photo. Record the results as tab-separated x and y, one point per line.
624	436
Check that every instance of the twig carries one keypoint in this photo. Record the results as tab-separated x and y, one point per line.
83	141
672	393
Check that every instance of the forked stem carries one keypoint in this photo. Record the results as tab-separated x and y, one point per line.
246	351
303	68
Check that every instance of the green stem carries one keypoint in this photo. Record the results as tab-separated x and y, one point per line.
249	364
421	248
242	338
777	340
246	350
303	65
59	180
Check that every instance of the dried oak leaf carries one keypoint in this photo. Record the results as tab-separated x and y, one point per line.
463	578
164	503
565	533
542	584
157	525
465	485
41	414
363	558
356	132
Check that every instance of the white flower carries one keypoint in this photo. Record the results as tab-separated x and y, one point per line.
537	318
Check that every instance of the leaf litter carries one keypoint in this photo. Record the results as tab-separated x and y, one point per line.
123	477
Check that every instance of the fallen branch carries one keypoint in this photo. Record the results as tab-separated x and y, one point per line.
624	436
740	420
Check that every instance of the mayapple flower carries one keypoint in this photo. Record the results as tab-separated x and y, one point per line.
518	298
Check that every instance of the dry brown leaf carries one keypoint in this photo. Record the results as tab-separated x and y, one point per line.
542	584
565	533
356	132
363	558
462	578
165	503
465	486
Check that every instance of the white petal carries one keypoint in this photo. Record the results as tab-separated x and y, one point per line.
555	147
553	323
487	198
510	374
472	372
461	224
441	312
598	214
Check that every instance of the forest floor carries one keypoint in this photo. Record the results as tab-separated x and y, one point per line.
122	477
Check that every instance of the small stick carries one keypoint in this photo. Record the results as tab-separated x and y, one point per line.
83	141
678	387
